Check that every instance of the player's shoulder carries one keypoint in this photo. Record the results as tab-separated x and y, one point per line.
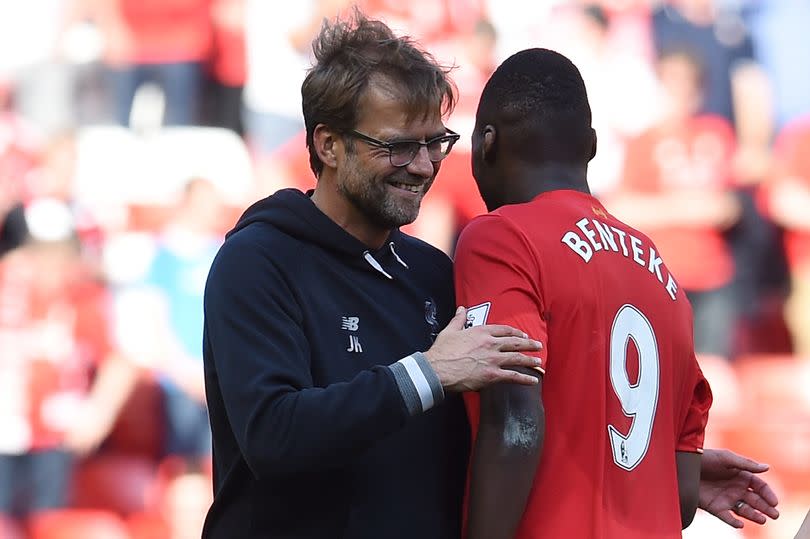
497	226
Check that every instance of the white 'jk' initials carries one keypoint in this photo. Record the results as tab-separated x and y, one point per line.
354	344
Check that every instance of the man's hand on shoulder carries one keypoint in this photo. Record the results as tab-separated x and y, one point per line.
469	359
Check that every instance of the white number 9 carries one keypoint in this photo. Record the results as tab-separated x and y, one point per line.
638	400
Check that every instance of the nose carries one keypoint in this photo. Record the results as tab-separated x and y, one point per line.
421	164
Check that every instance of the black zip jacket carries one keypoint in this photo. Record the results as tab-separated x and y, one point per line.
326	423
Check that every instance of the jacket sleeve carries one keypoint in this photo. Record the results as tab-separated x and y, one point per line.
261	358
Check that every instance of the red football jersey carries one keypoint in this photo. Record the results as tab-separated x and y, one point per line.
698	155
622	389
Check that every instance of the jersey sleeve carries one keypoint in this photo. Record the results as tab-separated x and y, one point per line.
697	414
497	279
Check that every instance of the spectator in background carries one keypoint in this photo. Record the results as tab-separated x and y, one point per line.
18	153
676	188
165	42
432	20
718	39
228	66
54	177
780	43
277	57
278	50
32	38
161	317
63	381
736	88
789	204
13	229
453	201
620	110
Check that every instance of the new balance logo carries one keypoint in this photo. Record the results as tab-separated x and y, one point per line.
354	344
350	322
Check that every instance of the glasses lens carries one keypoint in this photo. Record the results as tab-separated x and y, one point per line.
402	153
438	148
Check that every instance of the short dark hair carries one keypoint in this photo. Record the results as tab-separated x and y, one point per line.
349	53
539	93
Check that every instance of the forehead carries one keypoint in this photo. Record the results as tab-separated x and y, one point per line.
383	113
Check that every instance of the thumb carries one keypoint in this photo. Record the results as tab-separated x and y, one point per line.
459	319
751	466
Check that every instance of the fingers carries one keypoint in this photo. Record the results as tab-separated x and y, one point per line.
762	489
459	319
516	344
516	359
747	511
762	505
498	330
514	377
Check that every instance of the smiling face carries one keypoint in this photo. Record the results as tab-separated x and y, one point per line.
387	196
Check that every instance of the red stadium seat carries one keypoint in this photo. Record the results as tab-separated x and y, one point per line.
148	525
767	332
122	484
77	524
140	425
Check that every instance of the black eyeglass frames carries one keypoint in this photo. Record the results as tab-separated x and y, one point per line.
402	152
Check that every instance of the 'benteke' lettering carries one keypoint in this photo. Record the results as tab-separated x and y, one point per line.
592	236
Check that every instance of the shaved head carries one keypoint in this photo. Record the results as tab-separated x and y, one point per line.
537	99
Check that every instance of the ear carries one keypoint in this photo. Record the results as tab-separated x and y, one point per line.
325	142
593	146
489	143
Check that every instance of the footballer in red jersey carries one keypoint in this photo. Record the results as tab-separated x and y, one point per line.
609	446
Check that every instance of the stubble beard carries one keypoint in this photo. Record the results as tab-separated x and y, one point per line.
370	194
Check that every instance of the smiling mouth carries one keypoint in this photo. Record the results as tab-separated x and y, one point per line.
412	188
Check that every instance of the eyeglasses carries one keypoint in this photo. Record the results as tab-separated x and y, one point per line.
402	152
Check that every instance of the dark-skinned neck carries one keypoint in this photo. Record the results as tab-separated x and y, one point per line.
526	181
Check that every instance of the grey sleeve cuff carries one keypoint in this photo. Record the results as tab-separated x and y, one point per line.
418	383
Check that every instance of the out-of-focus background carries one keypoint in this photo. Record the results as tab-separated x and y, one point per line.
134	132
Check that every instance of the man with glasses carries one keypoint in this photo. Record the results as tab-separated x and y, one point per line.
332	387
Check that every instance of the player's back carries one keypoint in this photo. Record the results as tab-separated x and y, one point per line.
622	390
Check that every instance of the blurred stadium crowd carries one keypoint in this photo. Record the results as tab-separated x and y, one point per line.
134	132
